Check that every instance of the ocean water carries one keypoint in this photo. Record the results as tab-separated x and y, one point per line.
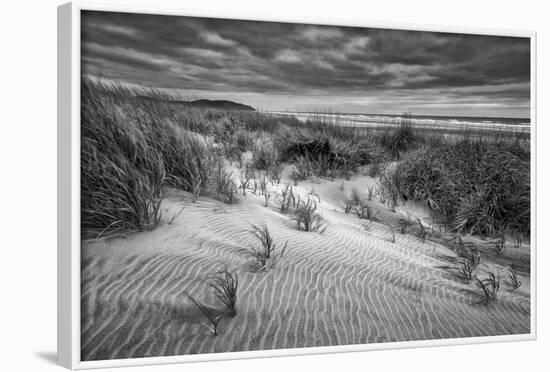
446	123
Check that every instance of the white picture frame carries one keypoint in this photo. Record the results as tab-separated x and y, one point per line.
69	193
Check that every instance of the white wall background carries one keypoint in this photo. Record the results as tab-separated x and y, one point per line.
28	182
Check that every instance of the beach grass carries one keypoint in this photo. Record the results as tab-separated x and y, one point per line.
137	141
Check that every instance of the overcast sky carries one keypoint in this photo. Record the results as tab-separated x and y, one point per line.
282	66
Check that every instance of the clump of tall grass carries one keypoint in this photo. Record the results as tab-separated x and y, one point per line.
263	190
403	139
514	280
122	174
265	156
224	185
489	287
247	175
238	143
275	172
307	217
470	260
225	286
243	140
389	189
287	198
269	251
476	186
302	170
193	169
263	185
377	166
323	166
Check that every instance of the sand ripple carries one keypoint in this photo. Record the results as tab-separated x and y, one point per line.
346	286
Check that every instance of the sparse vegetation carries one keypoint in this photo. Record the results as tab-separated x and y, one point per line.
225	187
132	148
175	215
470	259
307	217
489	287
275	172
213	319
225	286
302	170
514	280
247	175
269	251
287	198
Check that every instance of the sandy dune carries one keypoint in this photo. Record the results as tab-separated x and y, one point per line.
349	285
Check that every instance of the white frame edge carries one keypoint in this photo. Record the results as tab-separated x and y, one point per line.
64	103
68	204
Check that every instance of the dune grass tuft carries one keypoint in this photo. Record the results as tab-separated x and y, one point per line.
470	259
269	251
514	280
307	217
287	198
302	170
225	286
213	319
224	185
489	287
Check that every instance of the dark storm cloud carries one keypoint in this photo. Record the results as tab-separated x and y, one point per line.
277	59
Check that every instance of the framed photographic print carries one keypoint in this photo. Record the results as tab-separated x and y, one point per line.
236	188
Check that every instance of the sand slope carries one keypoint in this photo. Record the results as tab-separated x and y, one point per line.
349	285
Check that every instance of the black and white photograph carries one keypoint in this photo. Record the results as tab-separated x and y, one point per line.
255	185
